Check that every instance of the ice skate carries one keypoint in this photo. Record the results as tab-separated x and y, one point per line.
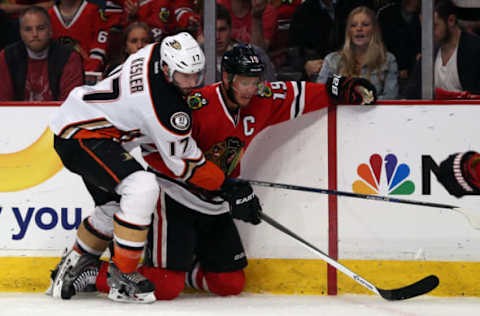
69	259
129	287
74	273
81	277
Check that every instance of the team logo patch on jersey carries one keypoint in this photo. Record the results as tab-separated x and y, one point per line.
264	91
163	15
175	44
196	101
102	15
73	44
227	154
180	121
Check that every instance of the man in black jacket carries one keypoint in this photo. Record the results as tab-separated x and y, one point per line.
457	66
402	32
37	68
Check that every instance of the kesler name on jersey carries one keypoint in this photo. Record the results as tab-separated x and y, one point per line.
136	75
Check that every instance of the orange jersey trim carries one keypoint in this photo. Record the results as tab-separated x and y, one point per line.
208	176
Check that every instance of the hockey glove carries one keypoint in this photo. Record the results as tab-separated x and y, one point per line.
458	176
243	202
346	90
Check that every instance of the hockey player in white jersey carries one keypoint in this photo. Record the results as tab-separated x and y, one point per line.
141	102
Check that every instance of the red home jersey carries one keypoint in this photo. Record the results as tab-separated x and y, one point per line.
157	14
286	9
224	136
87	32
183	10
215	127
242	26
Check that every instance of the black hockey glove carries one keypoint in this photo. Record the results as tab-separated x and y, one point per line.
243	202
346	90
456	174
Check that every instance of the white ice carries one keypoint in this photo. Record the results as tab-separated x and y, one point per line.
25	304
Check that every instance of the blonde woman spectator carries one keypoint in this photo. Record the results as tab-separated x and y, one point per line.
364	55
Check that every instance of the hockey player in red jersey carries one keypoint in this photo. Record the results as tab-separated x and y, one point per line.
84	26
141	102
460	174
193	238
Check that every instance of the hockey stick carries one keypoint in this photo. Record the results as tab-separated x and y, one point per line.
472	216
423	286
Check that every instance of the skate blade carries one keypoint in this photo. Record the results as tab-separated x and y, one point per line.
143	298
49	291
70	261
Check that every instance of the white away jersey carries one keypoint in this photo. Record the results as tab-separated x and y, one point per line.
134	104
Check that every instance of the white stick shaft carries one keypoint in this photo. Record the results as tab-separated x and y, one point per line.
324	256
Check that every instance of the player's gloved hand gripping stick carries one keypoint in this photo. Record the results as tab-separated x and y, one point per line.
244	204
345	90
473	216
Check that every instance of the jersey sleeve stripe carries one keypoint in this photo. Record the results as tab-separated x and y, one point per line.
70	130
190	170
113	7
97	53
293	107
190	166
179	12
298	104
301	102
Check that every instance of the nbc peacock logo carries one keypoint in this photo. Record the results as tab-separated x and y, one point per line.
383	176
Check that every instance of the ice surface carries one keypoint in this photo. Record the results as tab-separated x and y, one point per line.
24	304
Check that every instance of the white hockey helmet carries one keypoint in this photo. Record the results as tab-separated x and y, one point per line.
182	53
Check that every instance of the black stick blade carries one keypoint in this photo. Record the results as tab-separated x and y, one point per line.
423	286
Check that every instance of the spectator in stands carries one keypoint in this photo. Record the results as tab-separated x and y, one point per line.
279	45
37	68
364	55
285	9
85	27
15	7
312	36
225	42
4	25
9	10
135	36
401	30
318	28
343	9
156	14
253	21
456	66
187	16
471	26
